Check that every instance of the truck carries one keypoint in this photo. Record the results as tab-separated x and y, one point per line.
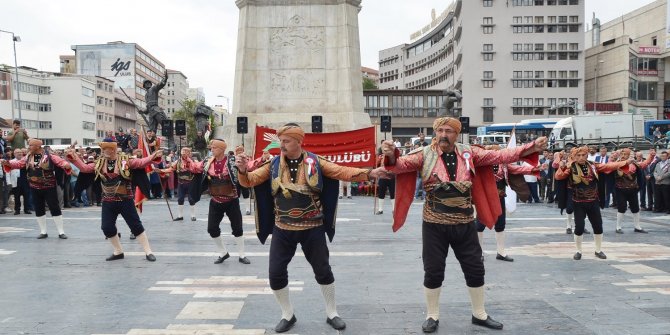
611	130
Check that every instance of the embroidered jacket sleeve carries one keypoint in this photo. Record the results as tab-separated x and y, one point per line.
83	167
519	169
482	157
138	163
609	167
407	163
61	163
646	162
256	177
344	173
16	164
195	167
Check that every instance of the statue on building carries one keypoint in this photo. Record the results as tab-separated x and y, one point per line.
201	115
156	115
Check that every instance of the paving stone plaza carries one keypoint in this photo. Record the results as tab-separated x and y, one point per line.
55	286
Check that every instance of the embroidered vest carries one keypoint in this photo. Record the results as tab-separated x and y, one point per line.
183	176
116	185
626	181
222	187
584	187
298	206
40	175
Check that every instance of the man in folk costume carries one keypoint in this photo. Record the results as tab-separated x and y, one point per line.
501	175
564	194
382	186
626	185
220	174
40	168
296	197
452	185
582	184
184	181
115	171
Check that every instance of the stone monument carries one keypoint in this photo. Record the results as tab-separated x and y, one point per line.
295	59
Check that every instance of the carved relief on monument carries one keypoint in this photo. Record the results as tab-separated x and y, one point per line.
289	84
297	47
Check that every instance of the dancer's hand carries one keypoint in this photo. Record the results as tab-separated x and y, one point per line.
241	161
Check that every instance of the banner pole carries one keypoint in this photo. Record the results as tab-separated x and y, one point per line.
376	182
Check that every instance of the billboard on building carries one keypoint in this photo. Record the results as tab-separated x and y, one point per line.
112	61
5	85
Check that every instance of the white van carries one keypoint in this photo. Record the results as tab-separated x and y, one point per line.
500	139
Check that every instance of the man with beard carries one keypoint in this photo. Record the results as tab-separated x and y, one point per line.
40	166
302	189
627	188
452	185
115	173
582	184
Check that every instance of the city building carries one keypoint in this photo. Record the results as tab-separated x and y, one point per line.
371	74
626	60
511	59
127	64
125	116
196	93
57	108
176	92
104	106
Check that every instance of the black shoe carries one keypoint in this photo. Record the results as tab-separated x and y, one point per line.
601	255
248	212
586	231
640	231
577	256
488	323
619	231
3	212
504	258
151	257
380	212
193	218
179	219
132	236
430	325
568	231
17	212
42	236
244	260
348	197
114	257
68	206
285	325
222	258
340	197
62	236
27	212
337	323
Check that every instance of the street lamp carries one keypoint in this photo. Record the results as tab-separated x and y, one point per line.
227	105
595	101
16	70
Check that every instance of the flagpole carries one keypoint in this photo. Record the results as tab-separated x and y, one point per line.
374	208
160	182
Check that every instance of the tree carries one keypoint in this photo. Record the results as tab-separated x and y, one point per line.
369	84
187	112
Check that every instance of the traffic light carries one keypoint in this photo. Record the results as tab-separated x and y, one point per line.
317	124
242	125
386	123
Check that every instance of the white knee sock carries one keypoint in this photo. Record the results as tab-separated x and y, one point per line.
328	292
432	302
619	218
392	204
221	246
480	235
116	243
240	245
180	211
477	301
599	241
42	222
144	241
636	220
578	242
500	243
192	211
380	205
59	224
284	303
570	221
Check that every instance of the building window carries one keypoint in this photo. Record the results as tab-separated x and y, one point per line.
487	30
488	3
488	114
487	47
539	2
646	90
87	109
488	20
487	83
88	125
488	74
87	92
488	57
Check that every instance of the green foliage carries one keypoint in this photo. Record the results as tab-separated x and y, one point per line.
187	112
369	84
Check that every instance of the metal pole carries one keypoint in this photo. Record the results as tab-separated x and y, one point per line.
595	101
38	112
16	71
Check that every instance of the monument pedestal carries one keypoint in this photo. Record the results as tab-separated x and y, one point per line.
295	59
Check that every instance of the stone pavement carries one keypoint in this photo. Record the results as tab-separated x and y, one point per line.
57	286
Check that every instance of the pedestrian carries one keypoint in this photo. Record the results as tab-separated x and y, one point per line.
40	165
17	137
115	172
662	177
582	184
448	216
290	185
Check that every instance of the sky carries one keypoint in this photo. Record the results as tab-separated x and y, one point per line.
199	37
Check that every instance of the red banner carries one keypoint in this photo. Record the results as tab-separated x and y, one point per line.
354	148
